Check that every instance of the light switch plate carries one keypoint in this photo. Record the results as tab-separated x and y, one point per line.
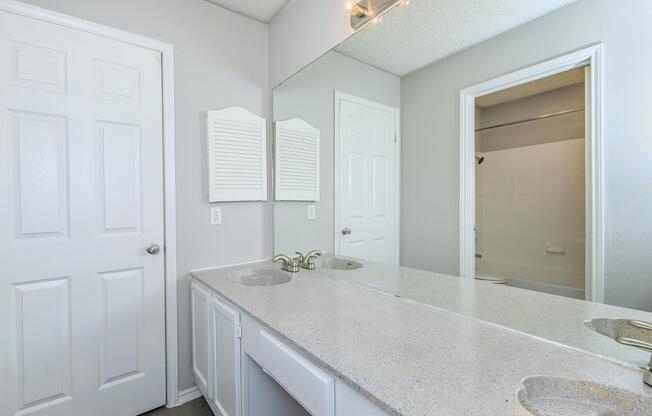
216	215
311	212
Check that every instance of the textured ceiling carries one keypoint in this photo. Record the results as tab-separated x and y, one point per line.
561	80
261	10
424	31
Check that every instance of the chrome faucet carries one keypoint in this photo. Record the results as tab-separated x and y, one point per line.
308	261
627	332
288	264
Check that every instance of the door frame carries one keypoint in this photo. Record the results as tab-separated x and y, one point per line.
592	58
169	246
339	96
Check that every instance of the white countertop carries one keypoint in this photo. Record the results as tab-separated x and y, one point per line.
410	358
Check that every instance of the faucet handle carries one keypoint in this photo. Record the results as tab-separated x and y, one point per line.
636	342
308	262
281	257
300	256
288	264
633	342
640	324
312	254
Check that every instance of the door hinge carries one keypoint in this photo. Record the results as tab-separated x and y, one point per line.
394	137
238	331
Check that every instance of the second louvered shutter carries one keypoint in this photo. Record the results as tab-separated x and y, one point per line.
296	161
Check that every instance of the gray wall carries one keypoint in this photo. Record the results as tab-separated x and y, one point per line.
430	115
309	95
212	70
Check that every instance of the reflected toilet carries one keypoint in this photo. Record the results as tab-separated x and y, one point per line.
491	279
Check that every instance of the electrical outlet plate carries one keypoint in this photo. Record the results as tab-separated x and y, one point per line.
311	212
216	215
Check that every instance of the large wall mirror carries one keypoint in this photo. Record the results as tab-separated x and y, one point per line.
514	155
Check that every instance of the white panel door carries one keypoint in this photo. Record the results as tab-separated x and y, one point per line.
367	179
81	197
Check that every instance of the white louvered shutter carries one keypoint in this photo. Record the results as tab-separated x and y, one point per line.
237	148
296	161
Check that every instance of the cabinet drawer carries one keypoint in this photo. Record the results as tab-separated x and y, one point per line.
313	388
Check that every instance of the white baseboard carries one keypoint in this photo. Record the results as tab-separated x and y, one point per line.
558	290
188	394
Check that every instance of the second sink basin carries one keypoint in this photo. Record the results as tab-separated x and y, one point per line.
260	277
339	263
555	396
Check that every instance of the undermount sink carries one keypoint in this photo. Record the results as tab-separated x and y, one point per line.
260	277
339	263
556	396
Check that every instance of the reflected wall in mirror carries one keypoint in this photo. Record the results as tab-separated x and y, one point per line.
369	100
553	191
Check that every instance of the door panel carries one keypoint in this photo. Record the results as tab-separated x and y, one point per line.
121	333
81	197
367	181
37	67
119	177
43	342
356	187
39	157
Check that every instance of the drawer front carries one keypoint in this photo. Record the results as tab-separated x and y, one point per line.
313	388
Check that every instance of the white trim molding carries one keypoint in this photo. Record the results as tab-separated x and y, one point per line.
339	96
188	395
167	69
591	58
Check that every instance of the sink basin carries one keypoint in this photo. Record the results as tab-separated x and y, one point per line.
339	263
260	277
555	396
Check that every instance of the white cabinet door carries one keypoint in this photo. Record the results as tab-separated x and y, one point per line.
82	324
225	330
200	300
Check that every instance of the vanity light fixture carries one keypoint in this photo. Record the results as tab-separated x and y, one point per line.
370	11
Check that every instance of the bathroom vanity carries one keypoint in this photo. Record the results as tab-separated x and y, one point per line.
244	367
315	342
365	163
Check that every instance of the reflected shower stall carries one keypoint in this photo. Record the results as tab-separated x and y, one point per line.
530	186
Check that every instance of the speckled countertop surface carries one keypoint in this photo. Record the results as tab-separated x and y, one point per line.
555	318
410	358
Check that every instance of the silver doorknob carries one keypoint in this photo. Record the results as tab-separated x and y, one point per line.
153	248
346	231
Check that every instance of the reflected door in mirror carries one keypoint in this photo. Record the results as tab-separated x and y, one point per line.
367	197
